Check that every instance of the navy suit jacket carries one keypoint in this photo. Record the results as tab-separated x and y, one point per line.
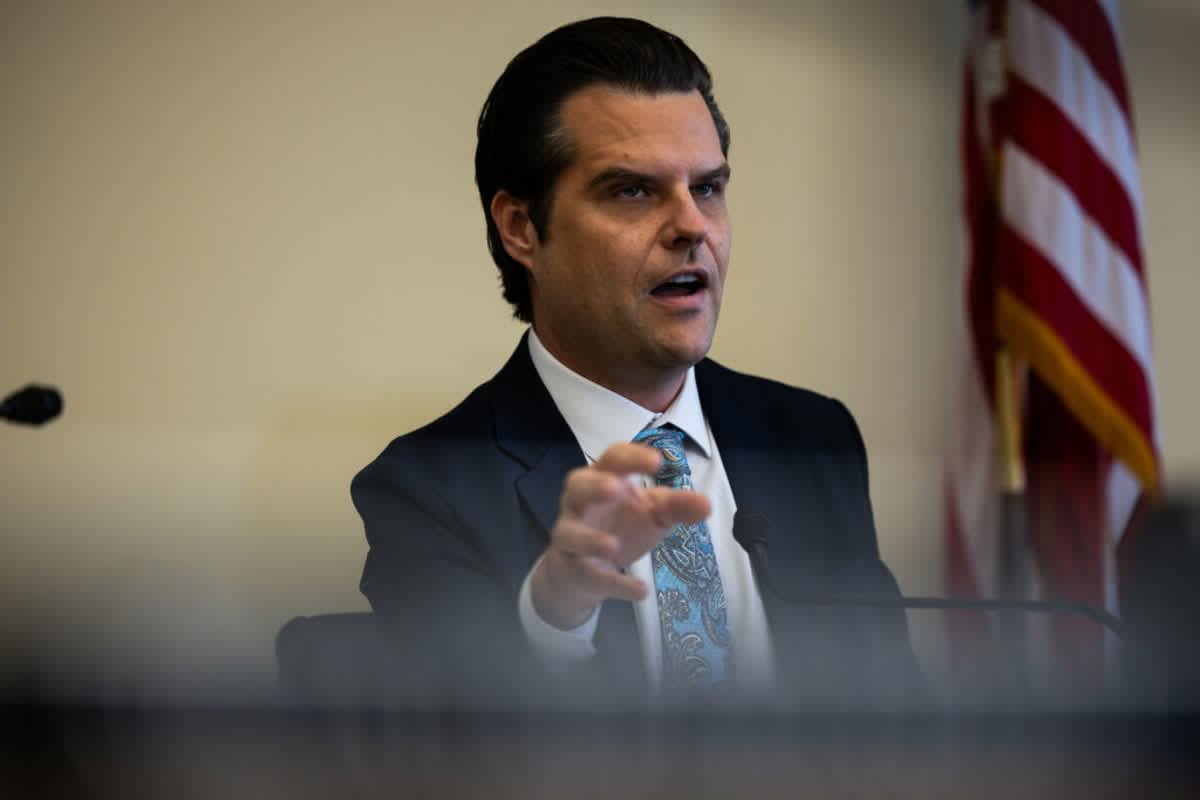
457	512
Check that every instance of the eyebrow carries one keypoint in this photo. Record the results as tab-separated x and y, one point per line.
625	175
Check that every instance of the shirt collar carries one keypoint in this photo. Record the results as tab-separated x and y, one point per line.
600	417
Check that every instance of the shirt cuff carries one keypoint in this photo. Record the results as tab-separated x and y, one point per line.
553	646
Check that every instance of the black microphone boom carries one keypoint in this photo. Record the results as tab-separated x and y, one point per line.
750	531
33	405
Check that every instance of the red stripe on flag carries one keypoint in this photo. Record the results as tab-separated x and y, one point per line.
1088	25
1067	475
1044	132
958	561
1039	285
1067	472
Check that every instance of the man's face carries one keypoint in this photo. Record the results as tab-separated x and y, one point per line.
628	275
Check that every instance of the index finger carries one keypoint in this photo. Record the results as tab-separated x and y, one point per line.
627	458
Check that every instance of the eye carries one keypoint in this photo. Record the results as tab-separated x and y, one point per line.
708	189
632	192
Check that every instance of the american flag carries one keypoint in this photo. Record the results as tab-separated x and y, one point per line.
1055	272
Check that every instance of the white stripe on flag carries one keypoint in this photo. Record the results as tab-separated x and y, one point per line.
1045	55
1109	7
1123	492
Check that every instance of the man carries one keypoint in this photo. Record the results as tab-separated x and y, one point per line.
519	528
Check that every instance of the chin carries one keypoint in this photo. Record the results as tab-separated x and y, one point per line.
685	353
677	343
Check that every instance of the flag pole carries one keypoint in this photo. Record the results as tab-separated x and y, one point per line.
1013	520
1008	407
1012	474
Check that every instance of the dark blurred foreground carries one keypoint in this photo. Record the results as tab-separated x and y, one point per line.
359	715
134	753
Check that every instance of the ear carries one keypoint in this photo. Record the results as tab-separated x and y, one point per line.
516	228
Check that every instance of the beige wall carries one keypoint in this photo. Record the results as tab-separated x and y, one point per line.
243	238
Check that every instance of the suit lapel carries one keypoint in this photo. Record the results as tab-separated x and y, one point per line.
531	431
744	439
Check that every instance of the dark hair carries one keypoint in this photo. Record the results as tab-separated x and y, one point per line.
522	147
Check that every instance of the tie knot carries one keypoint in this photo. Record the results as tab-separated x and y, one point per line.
668	440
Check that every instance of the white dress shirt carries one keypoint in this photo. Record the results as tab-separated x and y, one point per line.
599	418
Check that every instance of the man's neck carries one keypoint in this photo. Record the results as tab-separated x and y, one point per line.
653	390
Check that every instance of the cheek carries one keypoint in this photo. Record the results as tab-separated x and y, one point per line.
604	259
616	259
720	252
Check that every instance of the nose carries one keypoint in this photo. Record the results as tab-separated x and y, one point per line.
687	226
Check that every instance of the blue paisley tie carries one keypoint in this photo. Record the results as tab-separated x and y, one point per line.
691	601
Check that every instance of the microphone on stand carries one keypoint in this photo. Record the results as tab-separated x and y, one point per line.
33	405
750	529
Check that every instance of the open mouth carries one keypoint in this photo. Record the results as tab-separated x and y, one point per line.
684	284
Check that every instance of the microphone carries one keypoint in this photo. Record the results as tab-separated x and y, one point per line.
33	405
750	531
